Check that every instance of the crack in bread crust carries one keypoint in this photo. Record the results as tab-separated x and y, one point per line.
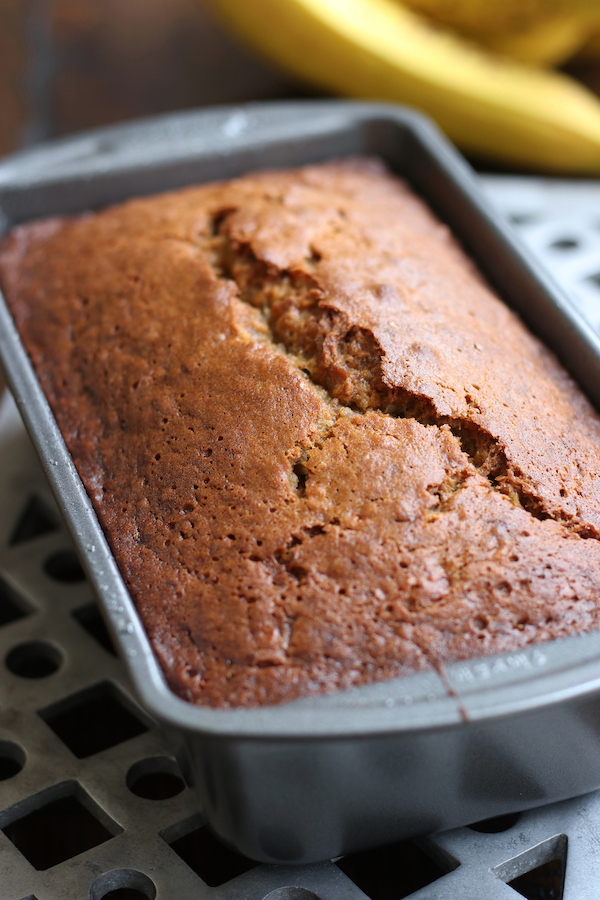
345	360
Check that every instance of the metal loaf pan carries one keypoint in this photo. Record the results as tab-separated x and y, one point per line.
319	778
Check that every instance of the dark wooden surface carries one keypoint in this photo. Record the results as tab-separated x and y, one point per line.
66	65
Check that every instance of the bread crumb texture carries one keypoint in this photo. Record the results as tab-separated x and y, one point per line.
323	452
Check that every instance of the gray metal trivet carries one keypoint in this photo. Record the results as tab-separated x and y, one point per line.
560	221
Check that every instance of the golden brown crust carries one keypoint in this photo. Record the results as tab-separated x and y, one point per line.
323	451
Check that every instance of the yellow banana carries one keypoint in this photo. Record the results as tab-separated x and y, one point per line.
541	32
483	19
378	49
590	50
549	43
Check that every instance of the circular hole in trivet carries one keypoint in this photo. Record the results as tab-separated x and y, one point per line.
123	884
125	894
497	824
34	659
64	566
565	244
291	893
12	759
155	779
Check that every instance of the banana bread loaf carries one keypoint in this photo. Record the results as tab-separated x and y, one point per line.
322	450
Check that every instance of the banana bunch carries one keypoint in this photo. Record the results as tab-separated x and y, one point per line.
542	32
477	67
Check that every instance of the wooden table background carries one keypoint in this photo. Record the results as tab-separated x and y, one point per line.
66	65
